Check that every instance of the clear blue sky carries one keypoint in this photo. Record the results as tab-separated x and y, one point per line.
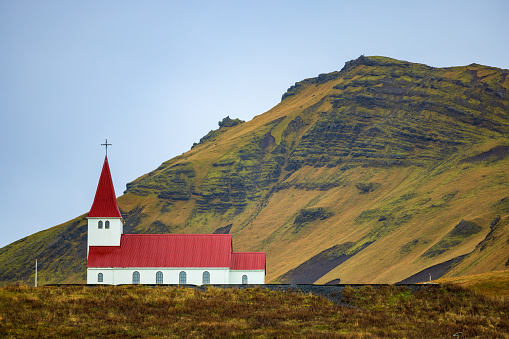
155	76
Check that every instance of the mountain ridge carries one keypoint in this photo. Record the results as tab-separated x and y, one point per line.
373	166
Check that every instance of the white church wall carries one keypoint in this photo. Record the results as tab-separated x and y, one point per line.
104	236
253	276
93	274
194	276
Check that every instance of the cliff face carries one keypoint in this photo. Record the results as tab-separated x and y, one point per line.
370	174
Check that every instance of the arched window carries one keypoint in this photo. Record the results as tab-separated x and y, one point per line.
159	277
206	278
100	224
182	278
100	277
136	277
244	279
107	224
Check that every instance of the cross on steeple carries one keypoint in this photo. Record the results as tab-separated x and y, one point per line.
106	144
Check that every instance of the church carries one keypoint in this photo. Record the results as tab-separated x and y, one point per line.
116	258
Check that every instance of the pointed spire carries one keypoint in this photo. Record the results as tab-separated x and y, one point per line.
105	202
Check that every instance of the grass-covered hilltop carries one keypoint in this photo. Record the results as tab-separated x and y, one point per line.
383	171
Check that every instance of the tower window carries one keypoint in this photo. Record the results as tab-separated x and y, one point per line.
159	277
100	224
107	224
182	278
136	277
100	277
244	279
206	278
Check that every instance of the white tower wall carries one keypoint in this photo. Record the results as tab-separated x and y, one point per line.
104	236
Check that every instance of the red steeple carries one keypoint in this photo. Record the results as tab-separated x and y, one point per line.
105	202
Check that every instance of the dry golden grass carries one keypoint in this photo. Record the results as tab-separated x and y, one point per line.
177	312
491	284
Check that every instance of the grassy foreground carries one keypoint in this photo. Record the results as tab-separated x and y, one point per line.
140	311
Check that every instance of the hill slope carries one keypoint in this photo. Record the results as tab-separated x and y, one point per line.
368	175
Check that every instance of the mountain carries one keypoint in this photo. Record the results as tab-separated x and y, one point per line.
383	172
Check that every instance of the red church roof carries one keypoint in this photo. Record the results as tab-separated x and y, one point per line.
248	261
105	202
164	250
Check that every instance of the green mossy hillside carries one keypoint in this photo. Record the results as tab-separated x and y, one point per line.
382	160
223	124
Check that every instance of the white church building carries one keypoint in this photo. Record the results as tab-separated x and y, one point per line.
116	258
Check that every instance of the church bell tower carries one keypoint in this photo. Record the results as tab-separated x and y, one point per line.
105	223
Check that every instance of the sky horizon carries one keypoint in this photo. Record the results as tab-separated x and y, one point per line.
154	77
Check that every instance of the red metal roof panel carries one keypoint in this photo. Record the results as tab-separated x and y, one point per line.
105	201
248	261
164	250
